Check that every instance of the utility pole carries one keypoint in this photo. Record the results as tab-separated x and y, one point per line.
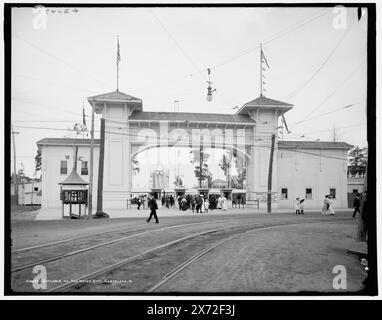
15	181
100	170
90	198
269	200
200	166
261	70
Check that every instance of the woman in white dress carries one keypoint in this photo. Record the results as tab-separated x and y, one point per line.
327	209
224	201
206	204
220	200
331	210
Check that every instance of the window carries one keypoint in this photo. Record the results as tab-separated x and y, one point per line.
308	193
332	192
84	168
284	193
35	189
64	167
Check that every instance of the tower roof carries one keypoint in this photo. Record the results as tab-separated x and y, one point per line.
74	179
116	97
265	103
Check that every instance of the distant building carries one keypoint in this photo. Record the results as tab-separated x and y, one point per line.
30	193
355	182
219	183
57	156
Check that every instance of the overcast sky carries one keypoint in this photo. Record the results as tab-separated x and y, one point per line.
164	52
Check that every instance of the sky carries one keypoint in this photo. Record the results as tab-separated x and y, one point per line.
314	64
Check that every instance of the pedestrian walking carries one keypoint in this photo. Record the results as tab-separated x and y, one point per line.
327	209
356	205
206	204
302	206
172	201
297	205
198	203
224	203
193	204
331	210
220	202
202	204
153	209
184	204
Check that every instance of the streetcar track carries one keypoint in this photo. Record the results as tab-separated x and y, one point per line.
74	238
257	226
103	232
169	275
75	252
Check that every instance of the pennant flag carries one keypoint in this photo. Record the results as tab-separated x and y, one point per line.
83	117
263	57
284	121
118	53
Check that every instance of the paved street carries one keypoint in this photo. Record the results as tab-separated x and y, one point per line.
278	252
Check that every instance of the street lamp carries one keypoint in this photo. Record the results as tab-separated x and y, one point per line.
209	91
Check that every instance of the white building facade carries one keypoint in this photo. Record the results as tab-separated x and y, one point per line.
307	170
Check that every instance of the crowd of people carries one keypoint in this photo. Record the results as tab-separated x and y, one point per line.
327	208
196	203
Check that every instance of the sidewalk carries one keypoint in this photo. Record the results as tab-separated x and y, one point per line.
55	213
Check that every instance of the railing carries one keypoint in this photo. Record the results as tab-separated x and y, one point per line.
357	175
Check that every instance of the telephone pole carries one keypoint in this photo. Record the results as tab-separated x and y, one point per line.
101	160
15	180
269	199
90	198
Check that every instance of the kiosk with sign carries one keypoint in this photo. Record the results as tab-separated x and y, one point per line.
204	192
74	191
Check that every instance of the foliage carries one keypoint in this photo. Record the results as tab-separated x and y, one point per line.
178	181
37	160
201	171
358	157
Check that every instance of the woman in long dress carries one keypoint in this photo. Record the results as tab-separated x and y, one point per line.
224	201
220	200
327	209
331	210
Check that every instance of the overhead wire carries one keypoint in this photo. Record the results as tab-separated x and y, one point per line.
167	139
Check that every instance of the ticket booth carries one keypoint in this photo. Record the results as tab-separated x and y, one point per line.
179	192
227	192
74	196
157	193
204	192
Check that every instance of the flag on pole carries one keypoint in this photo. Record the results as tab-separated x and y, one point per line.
118	52
83	116
263	58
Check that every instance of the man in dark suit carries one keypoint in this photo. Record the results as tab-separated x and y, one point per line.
356	205
153	208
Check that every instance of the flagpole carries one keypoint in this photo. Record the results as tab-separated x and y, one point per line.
117	63
261	71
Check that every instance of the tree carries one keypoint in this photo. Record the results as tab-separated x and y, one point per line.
241	171
225	165
357	159
178	181
202	172
37	160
